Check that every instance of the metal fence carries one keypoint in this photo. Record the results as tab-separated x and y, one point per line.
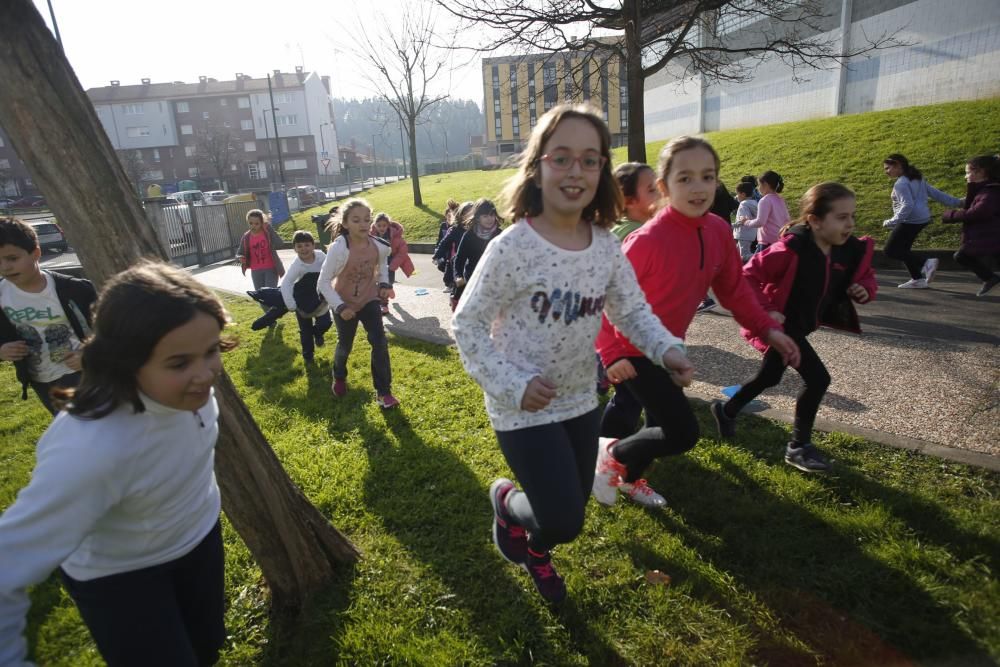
199	235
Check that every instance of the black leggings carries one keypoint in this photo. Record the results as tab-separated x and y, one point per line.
899	244
976	264
664	402
622	414
554	464
814	374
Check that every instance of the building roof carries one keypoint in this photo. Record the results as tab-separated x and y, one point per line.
208	86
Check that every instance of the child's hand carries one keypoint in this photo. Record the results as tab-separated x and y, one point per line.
776	316
347	314
680	367
620	371
785	346
74	360
14	351
858	293
460	281
538	395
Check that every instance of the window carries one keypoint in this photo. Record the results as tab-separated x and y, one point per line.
205	115
497	127
551	92
291	119
232	167
302	145
246	124
156	155
292	165
5	164
243	102
189	151
2	144
586	81
154	175
193	172
250	146
187	129
223	102
142	131
252	171
132	109
284	145
282	98
182	107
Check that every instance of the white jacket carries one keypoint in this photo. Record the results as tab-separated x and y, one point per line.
336	260
110	495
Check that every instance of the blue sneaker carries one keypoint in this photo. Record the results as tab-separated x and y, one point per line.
806	458
511	540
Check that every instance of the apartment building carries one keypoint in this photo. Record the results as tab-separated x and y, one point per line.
519	89
175	130
15	181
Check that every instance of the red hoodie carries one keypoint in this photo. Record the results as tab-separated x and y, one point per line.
676	259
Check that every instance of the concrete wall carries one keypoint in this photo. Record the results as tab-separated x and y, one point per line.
954	54
156	115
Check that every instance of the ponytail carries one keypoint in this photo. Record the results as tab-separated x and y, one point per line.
909	170
773	180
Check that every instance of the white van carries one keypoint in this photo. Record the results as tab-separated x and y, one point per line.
196	197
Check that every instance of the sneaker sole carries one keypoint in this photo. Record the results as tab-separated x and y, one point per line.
799	466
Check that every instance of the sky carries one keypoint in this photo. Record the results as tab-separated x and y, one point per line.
129	40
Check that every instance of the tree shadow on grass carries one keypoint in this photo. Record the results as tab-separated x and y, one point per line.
451	535
816	578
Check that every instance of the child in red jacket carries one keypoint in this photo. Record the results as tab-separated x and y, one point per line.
391	232
807	279
980	218
676	256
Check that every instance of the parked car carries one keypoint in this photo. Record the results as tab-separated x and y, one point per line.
308	195
50	236
7	202
196	197
215	196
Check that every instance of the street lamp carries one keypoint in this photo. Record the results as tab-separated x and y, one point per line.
267	138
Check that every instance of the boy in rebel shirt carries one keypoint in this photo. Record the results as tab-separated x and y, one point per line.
45	315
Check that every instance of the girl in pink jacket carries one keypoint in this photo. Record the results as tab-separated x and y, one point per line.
807	279
772	213
391	232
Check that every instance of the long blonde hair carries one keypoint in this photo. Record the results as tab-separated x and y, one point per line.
522	195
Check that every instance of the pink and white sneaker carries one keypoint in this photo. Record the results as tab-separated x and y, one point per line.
608	474
641	493
387	401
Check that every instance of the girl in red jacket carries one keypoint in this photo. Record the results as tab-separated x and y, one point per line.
391	232
676	256
808	278
980	218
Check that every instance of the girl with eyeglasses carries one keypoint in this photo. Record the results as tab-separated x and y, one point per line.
525	329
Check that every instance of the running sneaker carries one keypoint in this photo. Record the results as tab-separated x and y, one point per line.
548	582
988	285
318	339
511	540
387	401
914	283
339	388
640	492
707	304
726	424
806	458
608	474
930	268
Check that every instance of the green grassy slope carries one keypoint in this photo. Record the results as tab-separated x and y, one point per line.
938	139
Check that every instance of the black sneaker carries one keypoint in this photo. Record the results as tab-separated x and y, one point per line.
727	425
806	458
318	338
510	539
988	285
548	582
707	304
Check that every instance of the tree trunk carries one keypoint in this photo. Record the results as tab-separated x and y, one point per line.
411	129
636	81
55	131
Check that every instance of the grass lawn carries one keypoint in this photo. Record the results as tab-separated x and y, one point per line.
937	138
892	558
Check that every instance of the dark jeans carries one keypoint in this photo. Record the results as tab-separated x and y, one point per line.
977	264
169	614
309	330
371	318
814	374
664	402
43	388
899	244
554	463
264	278
622	414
